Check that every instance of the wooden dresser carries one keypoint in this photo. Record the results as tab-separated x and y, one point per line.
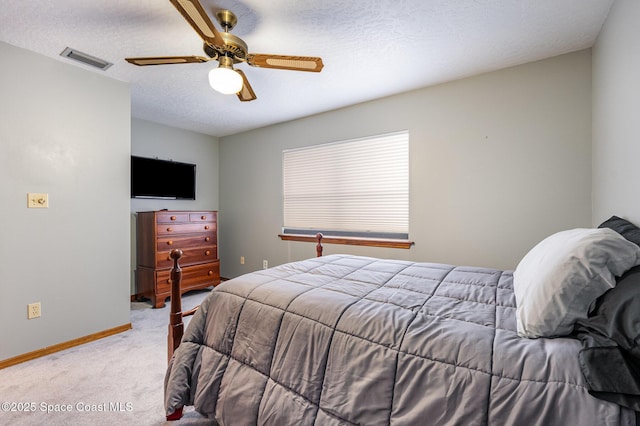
159	232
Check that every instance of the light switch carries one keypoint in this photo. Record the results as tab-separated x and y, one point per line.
37	200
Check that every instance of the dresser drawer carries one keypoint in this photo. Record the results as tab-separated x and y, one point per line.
172	217
180	241
189	256
202	217
184	228
184	217
192	276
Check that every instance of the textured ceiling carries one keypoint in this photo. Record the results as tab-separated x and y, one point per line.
370	49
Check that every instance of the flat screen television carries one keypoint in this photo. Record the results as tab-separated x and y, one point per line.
169	180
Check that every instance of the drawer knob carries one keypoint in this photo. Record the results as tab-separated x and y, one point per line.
169	229
210	273
169	242
169	281
173	218
206	227
207	253
207	239
203	217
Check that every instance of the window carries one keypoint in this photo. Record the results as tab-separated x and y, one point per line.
356	188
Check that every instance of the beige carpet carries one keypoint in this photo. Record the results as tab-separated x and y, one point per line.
117	380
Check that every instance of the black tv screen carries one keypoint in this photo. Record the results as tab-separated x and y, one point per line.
154	178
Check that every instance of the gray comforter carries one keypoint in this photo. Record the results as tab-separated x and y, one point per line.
341	340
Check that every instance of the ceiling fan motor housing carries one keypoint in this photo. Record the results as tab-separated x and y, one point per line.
233	46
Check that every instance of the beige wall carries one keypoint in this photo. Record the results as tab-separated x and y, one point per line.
64	131
616	115
497	162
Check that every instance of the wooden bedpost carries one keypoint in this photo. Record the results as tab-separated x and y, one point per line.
176	326
319	245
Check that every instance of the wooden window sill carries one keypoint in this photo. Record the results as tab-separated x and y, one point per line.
353	241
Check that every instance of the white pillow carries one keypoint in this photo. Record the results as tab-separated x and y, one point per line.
557	281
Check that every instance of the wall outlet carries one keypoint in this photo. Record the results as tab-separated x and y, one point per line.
33	310
265	264
242	260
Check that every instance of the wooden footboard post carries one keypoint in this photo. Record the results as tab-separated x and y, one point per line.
319	245
176	326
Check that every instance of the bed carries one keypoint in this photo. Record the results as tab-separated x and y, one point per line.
346	340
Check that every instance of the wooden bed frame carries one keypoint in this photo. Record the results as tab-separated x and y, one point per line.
176	324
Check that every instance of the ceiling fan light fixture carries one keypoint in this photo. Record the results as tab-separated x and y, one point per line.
224	79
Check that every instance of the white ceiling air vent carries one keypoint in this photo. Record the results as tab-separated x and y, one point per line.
85	58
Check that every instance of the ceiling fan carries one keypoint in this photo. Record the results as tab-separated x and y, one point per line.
228	50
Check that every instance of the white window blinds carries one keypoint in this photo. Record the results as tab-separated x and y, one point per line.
358	187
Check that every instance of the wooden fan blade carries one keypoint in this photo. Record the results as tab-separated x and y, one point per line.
196	16
246	93
283	62
163	60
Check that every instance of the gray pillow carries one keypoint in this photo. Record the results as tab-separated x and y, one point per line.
623	227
